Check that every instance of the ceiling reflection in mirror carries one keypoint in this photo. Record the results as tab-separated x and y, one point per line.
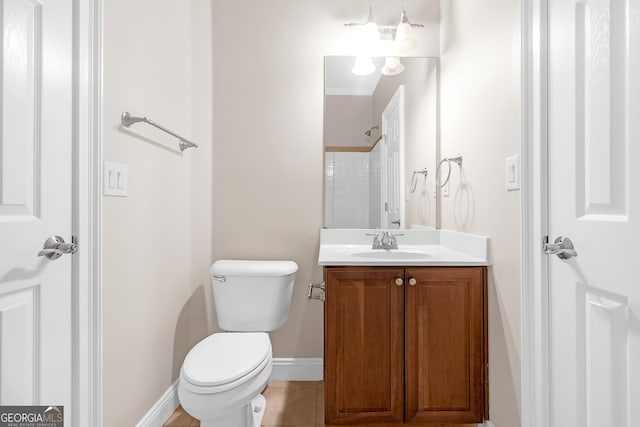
380	144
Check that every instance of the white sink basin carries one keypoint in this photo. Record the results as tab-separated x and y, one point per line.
351	247
391	254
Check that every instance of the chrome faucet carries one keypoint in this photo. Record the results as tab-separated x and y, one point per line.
388	241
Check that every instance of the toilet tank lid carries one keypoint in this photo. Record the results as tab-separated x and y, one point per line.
253	268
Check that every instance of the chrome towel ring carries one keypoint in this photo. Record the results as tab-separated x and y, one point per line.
414	178
457	159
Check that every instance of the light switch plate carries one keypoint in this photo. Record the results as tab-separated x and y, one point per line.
512	173
115	179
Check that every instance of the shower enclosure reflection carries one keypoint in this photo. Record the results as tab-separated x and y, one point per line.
379	133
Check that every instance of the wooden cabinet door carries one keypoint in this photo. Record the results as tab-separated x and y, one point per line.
364	345
445	344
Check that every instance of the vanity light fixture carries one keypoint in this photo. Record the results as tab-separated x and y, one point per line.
401	35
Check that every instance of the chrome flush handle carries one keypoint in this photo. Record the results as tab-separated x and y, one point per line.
312	286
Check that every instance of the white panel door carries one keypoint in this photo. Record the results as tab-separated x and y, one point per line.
35	201
392	166
594	199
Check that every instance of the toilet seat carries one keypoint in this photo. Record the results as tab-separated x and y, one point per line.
224	361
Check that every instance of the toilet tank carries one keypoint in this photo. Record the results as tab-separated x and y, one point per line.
252	296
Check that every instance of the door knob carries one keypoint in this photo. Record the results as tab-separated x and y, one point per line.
563	247
412	281
399	281
55	247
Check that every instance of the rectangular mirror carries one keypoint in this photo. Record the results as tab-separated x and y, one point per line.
380	144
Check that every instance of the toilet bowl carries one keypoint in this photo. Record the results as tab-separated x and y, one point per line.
223	375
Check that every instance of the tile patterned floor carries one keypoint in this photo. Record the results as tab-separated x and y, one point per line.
289	404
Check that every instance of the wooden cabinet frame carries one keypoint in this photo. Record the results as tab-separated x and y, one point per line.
410	353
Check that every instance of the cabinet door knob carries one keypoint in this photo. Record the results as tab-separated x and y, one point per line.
399	281
412	281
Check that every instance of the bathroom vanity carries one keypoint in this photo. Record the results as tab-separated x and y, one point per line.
405	329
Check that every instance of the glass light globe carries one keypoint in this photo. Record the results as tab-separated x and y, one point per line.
404	41
370	32
392	66
363	66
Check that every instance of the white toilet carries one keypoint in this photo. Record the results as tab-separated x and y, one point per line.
222	376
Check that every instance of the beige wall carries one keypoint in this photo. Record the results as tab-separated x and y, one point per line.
268	123
480	118
157	241
347	117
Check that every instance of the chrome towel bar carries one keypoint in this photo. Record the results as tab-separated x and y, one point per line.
128	120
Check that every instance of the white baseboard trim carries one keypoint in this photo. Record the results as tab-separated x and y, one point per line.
163	408
284	369
297	369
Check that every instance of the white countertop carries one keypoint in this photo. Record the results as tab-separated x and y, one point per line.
340	247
